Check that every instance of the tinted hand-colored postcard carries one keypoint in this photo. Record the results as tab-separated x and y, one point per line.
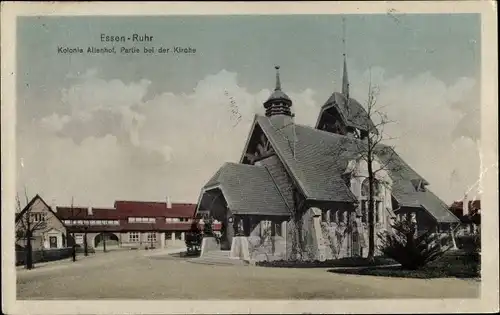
280	157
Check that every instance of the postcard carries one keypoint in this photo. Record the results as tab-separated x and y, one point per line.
329	157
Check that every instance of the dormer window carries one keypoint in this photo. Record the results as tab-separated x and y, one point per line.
418	185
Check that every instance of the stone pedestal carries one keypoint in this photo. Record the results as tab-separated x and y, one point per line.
208	244
240	248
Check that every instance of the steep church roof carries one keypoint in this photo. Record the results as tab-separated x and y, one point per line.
248	189
317	159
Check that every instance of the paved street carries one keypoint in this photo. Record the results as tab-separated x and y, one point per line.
153	275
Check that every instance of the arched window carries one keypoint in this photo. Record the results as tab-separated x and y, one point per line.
377	203
365	188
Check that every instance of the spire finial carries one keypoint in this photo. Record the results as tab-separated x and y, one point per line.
278	82
345	79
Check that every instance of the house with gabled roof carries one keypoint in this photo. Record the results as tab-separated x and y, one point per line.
289	171
39	222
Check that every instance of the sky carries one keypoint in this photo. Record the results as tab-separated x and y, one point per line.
100	128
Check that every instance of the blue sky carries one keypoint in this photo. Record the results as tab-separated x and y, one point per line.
87	120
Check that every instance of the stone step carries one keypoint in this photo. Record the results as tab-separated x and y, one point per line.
220	258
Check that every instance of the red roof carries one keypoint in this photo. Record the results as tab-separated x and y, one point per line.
155	209
125	209
68	213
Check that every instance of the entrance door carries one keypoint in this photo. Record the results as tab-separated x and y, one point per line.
53	241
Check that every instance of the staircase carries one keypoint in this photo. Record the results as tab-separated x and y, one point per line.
219	258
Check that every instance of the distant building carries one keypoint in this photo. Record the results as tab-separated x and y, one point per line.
48	232
129	224
470	215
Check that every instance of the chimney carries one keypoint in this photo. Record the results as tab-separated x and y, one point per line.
465	206
169	204
89	210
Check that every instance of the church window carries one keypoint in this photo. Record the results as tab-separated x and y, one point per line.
341	217
324	216
364	216
365	188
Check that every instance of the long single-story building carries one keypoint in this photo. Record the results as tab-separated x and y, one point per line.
130	224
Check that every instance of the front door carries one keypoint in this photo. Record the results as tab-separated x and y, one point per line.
52	241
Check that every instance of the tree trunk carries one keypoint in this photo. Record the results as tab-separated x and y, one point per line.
85	245
73	254
371	212
29	252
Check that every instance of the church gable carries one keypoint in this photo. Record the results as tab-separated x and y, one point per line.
259	151
258	147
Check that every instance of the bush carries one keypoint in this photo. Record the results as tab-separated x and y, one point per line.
208	228
193	239
412	251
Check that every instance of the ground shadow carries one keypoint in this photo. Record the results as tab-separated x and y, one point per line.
465	266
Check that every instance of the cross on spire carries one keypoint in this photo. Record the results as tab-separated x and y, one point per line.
345	79
278	82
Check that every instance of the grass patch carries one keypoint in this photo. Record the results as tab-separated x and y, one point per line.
341	262
451	265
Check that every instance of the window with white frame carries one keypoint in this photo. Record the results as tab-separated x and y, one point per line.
151	237
173	220
38	216
141	220
134	237
79	239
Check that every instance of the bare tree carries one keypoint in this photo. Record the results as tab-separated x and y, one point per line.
27	223
75	213
368	143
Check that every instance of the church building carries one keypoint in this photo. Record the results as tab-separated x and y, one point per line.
314	180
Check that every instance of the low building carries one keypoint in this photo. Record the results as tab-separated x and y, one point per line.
130	224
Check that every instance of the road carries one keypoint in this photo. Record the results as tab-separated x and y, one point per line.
135	275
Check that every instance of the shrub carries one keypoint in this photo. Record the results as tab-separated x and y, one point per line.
193	239
412	251
208	227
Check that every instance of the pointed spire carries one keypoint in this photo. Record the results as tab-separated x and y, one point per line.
278	82
278	103
345	78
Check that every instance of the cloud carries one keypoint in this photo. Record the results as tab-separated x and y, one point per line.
115	144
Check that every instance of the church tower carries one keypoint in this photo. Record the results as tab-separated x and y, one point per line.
278	103
342	114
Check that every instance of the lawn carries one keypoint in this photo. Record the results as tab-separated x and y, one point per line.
451	265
